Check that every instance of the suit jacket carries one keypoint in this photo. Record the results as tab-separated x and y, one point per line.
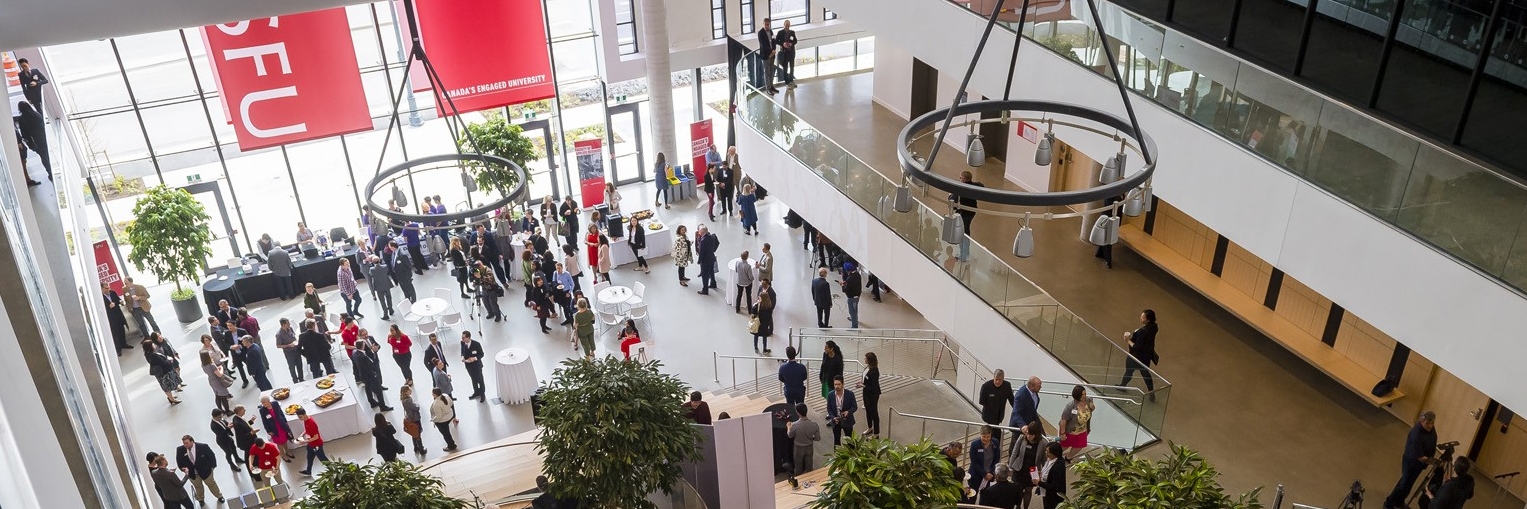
402	266
224	435
314	345
367	366
1055	483
783	36
254	358
1144	347
983	460
473	349
33	94
273	419
994	400
280	262
243	433
432	352
849	405
765	42
1003	494
1025	407
139	294
377	276
206	460
707	252
821	293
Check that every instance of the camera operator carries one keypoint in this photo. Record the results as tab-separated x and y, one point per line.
1419	447
1457	489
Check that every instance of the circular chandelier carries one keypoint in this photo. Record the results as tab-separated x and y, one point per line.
1120	188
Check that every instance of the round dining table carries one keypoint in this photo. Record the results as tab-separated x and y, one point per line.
429	307
619	298
516	380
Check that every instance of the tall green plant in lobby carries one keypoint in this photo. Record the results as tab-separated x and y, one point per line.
496	136
390	485
879	473
613	431
1182	480
170	239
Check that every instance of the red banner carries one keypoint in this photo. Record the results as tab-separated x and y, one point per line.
288	78
699	145
590	170
488	53
106	267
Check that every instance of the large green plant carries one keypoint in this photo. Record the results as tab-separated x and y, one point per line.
170	238
496	136
390	485
613	432
868	473
1182	480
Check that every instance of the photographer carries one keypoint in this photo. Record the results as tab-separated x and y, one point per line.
1419	447
1457	489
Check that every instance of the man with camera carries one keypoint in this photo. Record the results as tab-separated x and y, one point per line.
1457	489
1418	453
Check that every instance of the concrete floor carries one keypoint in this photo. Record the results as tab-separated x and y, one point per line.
1262	415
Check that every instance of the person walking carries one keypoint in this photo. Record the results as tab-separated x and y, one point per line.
803	434
993	399
541	302
312	438
792	375
660	169
412	421
591	241
115	318
488	291
706	245
1142	352
402	267
683	255
1026	456
471	358
1025	405
164	370
347	289
386	436
171	486
402	352
442	411
583	323
747	204
840	411
1076	422
832	366
255	362
742	276
821	296
381	285
197	461
138	303
870	391
1420	446
286	341
273	419
853	286
763	311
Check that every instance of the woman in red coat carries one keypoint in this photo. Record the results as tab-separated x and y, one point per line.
592	241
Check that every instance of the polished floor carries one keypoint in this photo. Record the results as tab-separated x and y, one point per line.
1262	415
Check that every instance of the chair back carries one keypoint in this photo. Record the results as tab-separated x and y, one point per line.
443	294
640	289
404	306
607	318
428	326
639	311
452	319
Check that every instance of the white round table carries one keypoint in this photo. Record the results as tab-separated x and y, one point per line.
516	378
618	297
430	306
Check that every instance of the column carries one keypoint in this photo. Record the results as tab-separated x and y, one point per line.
660	80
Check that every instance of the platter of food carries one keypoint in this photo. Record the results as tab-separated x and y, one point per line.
325	383
641	215
281	394
654	226
328	398
292	409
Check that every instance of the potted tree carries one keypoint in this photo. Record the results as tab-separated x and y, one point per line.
1183	479
170	240
496	136
868	473
391	484
613	431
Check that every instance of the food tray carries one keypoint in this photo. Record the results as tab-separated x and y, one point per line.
281	394
292	409
325	383
328	399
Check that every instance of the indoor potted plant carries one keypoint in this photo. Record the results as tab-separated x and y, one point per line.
496	136
614	431
881	473
1182	479
391	484
170	239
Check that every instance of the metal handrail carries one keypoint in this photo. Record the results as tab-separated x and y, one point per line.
1097	386
942	342
716	365
1131	401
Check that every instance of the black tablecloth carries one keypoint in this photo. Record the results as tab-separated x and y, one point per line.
243	289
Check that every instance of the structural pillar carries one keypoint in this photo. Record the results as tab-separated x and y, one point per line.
660	81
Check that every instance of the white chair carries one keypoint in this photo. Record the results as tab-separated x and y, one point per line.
639	289
594	298
442	294
428	326
405	309
610	320
451	320
334	321
639	312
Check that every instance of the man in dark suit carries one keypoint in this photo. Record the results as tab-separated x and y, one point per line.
1025	407
435	351
766	56
369	366
223	431
995	395
793	375
197	461
1142	351
254	362
377	275
726	190
840	411
471	358
1002	493
32	81
315	347
706	247
821	296
401	267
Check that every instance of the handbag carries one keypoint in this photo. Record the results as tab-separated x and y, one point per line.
753	324
411	427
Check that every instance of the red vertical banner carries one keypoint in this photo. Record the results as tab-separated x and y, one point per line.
288	78
488	53
699	145
590	157
106	267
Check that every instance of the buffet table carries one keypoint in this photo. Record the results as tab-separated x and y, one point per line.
659	244
341	419
516	380
241	289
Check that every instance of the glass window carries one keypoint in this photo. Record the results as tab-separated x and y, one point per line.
797	12
576	59
324	184
1209	19
112	139
220	123
177	127
569	17
625	27
265	194
1269	30
866	53
1366	163
87	76
1343	50
835	58
1467	211
156	66
199	59
747	17
1425	87
718	19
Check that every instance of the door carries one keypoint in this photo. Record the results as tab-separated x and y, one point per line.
210	194
1459	407
543	174
627	162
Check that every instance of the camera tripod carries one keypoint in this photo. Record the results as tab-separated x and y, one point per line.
1439	470
1354	499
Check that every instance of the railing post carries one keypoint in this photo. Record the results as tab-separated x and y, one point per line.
1278	498
715	366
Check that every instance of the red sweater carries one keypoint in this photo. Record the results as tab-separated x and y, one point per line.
310	427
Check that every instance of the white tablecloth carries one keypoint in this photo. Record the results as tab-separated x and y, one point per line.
430	306
618	298
516	378
342	419
659	244
724	279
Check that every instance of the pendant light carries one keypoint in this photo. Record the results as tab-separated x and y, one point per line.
1105	231
1023	243
398	196
975	151
1133	205
953	231
468	182
1110	172
903	201
1042	156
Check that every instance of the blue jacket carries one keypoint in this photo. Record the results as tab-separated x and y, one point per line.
983	460
749	210
849	405
411	234
1025	407
793	375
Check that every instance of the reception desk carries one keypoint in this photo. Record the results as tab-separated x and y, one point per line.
242	289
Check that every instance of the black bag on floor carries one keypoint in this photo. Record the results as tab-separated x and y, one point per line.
793	220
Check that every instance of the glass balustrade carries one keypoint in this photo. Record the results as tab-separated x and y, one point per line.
1091	355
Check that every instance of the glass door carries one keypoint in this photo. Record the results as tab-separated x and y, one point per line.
543	180
624	138
210	194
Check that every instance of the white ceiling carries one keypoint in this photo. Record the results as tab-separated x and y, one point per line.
28	23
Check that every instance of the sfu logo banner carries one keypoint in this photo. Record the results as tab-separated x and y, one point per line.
288	78
489	53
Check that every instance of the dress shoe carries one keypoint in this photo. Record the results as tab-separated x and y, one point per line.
703	292
386	409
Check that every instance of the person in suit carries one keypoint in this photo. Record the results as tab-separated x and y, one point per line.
434	352
985	455
706	245
766	57
870	386
197	461
785	40
821	296
280	263
379	277
21	148
138	303
1028	454
1142	351
1002	493
994	396
223	431
254	362
840	410
244	433
369	365
115	318
32	81
471	358
1052	477
638	244
488	252
793	375
804	434
34	131
569	211
401	268
1025	406
314	346
1457	489
441	377
386	436
171	487
726	178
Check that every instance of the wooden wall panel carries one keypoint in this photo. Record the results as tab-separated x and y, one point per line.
1303	307
1502	453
